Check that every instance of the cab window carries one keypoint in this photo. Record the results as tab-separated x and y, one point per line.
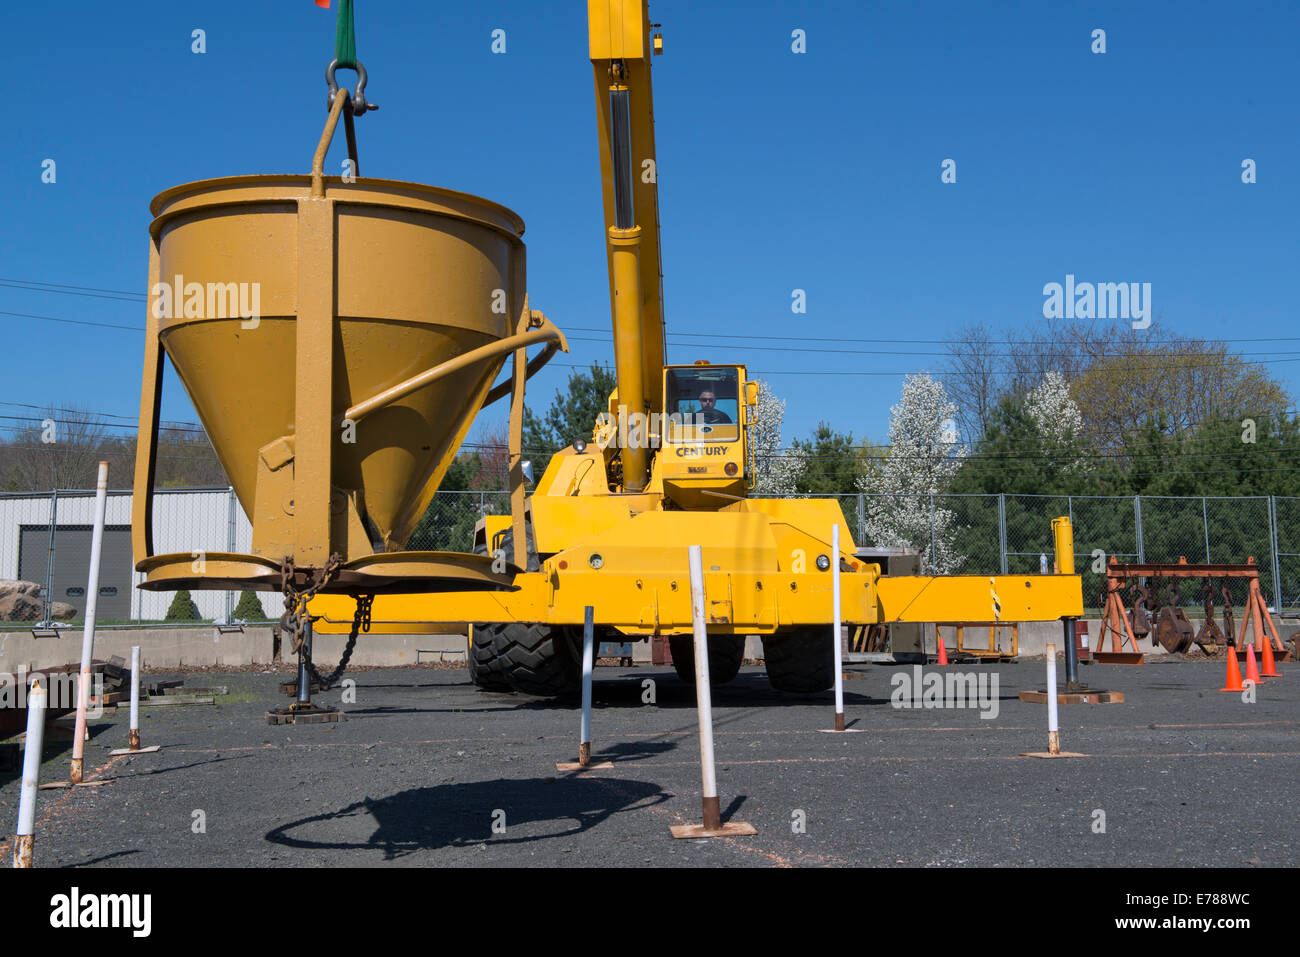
703	403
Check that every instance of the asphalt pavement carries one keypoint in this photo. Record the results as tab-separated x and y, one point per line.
429	771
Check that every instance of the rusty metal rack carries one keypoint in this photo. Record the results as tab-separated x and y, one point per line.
1171	628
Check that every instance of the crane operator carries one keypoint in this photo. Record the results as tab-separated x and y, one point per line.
709	413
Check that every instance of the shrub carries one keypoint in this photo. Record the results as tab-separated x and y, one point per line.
182	608
249	608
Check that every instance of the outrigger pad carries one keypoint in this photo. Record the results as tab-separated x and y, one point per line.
310	714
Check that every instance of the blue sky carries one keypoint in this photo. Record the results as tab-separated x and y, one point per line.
777	171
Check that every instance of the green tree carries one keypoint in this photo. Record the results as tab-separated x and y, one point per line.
1235	456
249	607
182	608
572	414
448	522
1016	457
832	463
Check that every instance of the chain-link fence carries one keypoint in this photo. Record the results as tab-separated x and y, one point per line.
44	563
1012	534
448	523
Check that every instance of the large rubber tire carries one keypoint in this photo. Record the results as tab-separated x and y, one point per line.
530	658
726	652
800	660
541	660
487	666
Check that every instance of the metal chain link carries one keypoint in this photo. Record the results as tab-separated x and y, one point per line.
294	620
360	622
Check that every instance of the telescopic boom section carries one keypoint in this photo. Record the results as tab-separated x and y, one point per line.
621	46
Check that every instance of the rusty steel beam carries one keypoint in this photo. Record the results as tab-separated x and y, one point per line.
1181	570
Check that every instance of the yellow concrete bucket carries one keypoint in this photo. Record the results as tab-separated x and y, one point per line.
336	339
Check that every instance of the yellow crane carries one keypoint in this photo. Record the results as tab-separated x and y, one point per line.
387	312
610	521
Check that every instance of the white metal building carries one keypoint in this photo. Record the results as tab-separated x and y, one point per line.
185	520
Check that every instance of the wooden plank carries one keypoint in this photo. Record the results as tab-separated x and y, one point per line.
1081	697
175	699
214	690
1118	657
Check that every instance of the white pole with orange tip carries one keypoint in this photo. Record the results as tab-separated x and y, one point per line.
1053	724
588	660
712	825
836	637
839	652
1053	728
133	738
24	835
703	692
88	632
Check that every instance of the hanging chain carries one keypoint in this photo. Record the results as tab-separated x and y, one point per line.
294	620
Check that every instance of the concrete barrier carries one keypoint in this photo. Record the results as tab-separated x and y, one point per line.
182	648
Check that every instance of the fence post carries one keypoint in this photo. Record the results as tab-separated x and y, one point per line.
230	547
1205	515
1137	520
49	558
1277	568
1002	530
862	518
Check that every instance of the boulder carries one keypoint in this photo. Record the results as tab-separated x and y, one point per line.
21	601
62	611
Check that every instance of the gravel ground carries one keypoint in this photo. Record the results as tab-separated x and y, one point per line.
425	764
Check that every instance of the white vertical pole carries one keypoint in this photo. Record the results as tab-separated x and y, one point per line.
134	744
588	658
839	652
23	837
703	694
88	632
1053	736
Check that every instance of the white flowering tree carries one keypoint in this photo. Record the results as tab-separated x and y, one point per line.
776	469
923	457
1057	416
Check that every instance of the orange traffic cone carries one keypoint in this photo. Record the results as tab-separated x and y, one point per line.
1269	669
943	652
1234	672
1252	666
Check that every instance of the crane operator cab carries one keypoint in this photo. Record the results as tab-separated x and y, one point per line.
702	460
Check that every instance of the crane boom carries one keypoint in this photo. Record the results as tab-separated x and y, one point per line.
621	46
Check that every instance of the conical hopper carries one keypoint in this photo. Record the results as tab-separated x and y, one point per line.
282	310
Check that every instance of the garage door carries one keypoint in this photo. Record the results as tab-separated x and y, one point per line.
72	566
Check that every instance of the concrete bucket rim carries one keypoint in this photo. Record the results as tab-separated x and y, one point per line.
437	199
